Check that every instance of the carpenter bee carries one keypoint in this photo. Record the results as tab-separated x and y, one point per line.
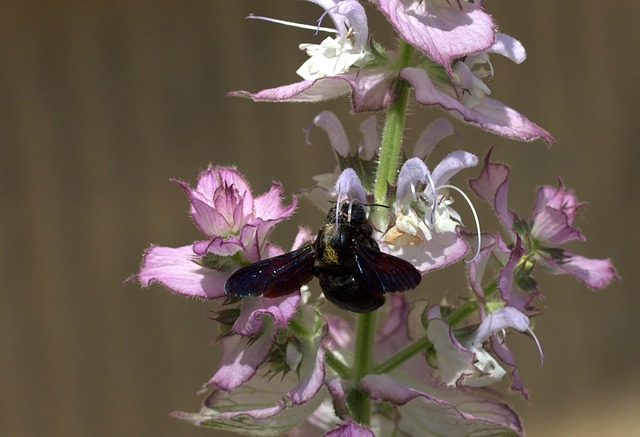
353	273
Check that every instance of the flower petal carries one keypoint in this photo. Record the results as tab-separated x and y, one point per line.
455	362
253	310
350	429
371	90
551	228
441	250
349	187
596	273
329	122
423	414
443	31
492	186
452	164
435	132
490	114
242	356
176	269
499	320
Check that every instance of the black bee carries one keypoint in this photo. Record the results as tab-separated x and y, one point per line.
353	273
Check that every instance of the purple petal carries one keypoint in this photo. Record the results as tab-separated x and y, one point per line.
176	269
424	414
338	389
268	206
509	290
557	198
596	273
435	132
349	187
341	333
352	14
370	138
252	409
443	32
330	123
241	358
551	228
210	221
499	320
492	186
477	268
371	90
455	361
503	352
350	429
452	164
253	310
509	47
490	114
413	172
312	370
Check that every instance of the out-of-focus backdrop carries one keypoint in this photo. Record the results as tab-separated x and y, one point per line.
102	102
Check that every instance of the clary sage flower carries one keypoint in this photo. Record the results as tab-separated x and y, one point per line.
550	225
295	364
370	75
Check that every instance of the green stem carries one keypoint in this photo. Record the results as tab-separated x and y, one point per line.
362	362
470	306
337	365
389	153
403	356
389	156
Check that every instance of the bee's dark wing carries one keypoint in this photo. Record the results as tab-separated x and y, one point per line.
379	273
273	277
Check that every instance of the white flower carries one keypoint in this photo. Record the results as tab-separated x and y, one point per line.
332	57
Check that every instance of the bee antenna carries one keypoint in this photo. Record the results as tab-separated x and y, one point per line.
475	218
376	204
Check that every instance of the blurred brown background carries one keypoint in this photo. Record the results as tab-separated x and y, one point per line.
102	102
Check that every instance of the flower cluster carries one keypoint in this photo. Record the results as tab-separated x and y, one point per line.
294	363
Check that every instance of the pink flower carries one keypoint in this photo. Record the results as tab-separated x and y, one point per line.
237	226
465	95
442	30
549	226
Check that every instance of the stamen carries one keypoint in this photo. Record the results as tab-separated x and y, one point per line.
435	192
292	24
475	218
530	331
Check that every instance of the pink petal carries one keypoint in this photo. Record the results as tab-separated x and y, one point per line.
241	358
176	269
492	186
424	414
268	206
371	90
596	273
435	132
329	122
509	290
503	352
350	429
442	32
499	320
253	310
551	228
490	115
452	164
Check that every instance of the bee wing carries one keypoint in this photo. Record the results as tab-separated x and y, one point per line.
273	277
379	273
